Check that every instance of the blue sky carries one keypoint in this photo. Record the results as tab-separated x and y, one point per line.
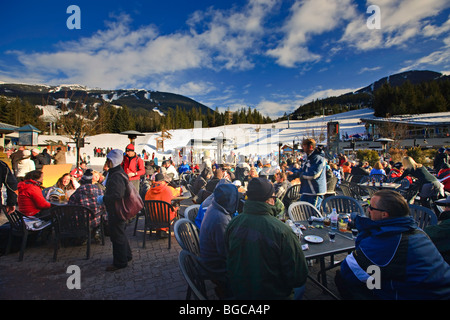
270	55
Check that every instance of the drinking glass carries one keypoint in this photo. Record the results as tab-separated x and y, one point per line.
332	235
310	221
354	233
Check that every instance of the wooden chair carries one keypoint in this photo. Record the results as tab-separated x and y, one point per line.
191	212
18	229
186	233
301	211
423	216
157	215
72	221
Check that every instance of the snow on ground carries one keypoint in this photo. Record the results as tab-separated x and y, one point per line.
241	139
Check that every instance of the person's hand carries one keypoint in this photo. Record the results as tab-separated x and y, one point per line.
10	209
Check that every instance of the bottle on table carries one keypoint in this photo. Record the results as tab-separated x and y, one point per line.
334	219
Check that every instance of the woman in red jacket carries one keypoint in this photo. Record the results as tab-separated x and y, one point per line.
31	200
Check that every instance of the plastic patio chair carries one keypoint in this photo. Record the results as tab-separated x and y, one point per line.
191	212
19	228
186	233
190	268
72	221
292	194
342	204
157	215
302	210
423	216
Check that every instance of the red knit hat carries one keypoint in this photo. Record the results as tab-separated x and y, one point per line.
130	147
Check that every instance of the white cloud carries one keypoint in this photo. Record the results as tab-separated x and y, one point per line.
309	18
401	21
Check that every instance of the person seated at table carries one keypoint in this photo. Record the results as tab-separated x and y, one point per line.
86	195
67	183
223	207
440	233
410	265
281	184
264	256
97	179
211	185
160	190
184	168
429	186
201	181
444	176
31	201
377	169
78	172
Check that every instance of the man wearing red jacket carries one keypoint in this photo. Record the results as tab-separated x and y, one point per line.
133	166
163	192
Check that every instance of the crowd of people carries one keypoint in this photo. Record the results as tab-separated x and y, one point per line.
252	253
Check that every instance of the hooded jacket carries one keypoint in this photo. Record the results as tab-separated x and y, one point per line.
212	246
410	265
134	164
31	200
161	191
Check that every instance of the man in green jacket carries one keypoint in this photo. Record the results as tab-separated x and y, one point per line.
265	259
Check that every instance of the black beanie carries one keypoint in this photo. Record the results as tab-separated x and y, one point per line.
260	189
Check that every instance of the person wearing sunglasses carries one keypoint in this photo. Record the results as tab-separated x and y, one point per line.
393	258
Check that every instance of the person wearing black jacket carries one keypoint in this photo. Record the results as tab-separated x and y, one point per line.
116	184
8	180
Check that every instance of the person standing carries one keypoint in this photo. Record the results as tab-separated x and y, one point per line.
133	166
313	174
116	185
264	256
8	180
60	156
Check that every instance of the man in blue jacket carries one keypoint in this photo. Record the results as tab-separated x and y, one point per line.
313	174
393	259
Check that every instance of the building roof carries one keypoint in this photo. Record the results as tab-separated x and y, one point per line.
423	120
7	128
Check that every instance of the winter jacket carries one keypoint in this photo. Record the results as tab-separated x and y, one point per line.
410	265
444	177
59	157
24	166
313	174
440	235
161	191
9	181
86	195
135	165
115	188
31	200
217	216
264	256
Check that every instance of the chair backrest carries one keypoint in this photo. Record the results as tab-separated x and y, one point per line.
190	268
15	220
293	193
423	216
71	220
345	188
343	204
158	213
377	177
191	212
190	189
301	211
187	236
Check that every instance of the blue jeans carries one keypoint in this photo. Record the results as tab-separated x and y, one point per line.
298	292
316	201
